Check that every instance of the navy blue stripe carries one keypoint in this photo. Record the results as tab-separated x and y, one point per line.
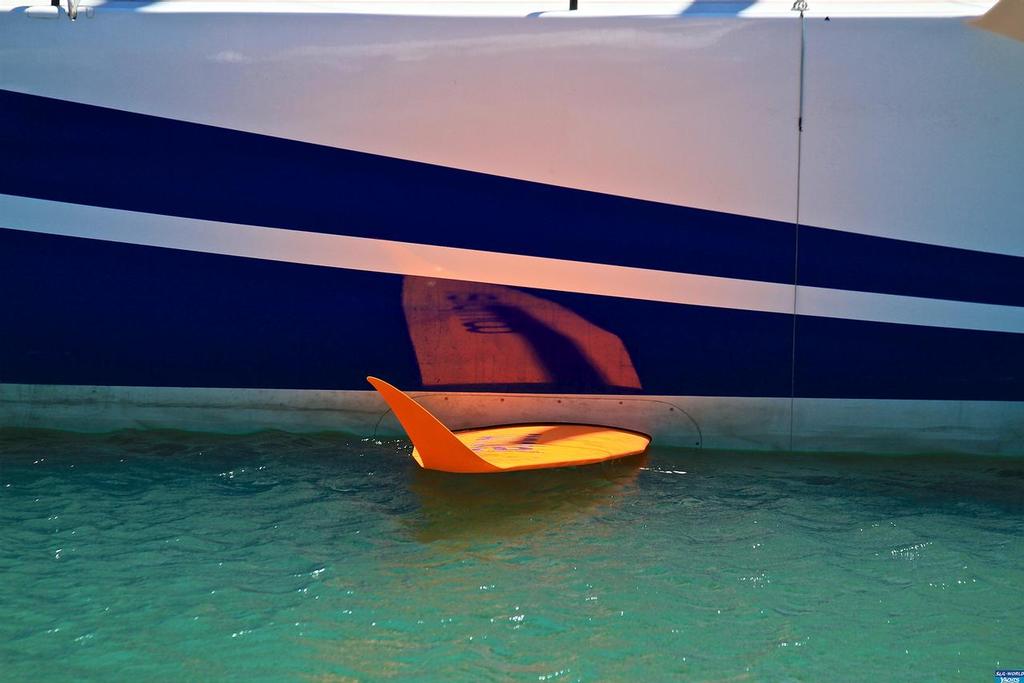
844	260
53	149
144	163
839	358
80	311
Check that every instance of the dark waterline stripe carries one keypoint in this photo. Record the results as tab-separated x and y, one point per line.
839	358
81	311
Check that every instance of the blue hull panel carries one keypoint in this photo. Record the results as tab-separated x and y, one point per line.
93	312
163	166
157	165
90	312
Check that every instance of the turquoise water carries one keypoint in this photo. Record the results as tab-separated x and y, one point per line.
146	555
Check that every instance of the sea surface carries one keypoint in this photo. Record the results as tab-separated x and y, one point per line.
164	556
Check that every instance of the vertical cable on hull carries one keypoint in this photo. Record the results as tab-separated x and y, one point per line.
800	6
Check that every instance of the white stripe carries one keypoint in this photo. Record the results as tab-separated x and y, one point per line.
384	256
403	258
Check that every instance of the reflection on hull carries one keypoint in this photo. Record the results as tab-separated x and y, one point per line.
480	336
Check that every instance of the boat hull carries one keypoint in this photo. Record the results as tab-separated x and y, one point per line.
601	219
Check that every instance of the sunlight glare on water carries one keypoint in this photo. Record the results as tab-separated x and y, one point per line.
274	556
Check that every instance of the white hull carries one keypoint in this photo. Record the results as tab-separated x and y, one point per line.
732	227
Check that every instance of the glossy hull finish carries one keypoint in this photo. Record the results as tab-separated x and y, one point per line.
594	218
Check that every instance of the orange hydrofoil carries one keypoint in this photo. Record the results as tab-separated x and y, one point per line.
504	449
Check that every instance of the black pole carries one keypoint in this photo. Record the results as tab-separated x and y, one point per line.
573	4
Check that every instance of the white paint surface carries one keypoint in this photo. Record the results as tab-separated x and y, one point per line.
690	110
913	130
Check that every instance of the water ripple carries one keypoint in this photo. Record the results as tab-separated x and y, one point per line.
174	556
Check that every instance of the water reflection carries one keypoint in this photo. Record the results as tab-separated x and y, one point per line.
492	507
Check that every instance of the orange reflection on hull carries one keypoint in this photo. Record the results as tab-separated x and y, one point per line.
478	335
